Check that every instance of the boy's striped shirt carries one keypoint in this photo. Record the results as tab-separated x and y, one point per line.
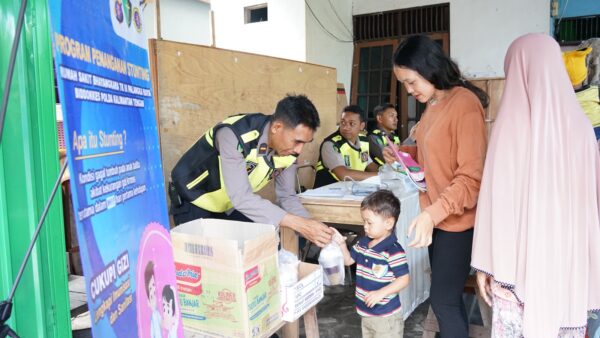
375	268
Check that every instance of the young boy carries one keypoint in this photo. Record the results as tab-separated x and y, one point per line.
381	268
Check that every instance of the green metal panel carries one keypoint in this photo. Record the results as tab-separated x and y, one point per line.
28	169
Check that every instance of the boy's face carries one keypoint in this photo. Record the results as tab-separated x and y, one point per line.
376	226
168	315
152	293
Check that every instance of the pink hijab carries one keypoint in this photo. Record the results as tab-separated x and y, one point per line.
537	229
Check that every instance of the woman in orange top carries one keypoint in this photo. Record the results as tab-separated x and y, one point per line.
451	141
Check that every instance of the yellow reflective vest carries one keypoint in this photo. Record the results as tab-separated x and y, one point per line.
381	140
197	175
354	158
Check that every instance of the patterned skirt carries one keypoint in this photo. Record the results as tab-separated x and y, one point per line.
507	321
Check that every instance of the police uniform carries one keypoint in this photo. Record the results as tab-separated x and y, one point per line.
336	151
219	175
377	141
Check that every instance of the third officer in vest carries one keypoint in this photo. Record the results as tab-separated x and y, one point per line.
387	122
219	175
345	153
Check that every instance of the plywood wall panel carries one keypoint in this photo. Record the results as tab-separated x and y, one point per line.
198	86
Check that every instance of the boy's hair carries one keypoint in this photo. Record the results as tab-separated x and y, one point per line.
356	110
382	203
168	295
379	110
148	274
294	110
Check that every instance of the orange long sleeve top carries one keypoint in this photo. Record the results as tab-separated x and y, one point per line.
452	141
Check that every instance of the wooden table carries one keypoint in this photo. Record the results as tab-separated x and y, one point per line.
324	210
334	211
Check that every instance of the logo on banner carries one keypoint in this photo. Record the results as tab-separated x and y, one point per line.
189	278
127	18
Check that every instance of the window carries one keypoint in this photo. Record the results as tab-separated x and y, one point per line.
576	29
376	37
256	13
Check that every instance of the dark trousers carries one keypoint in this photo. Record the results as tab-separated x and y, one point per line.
187	212
450	258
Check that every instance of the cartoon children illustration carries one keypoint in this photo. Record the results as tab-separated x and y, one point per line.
150	282
170	319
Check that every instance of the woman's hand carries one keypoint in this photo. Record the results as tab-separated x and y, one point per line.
423	227
484	282
388	155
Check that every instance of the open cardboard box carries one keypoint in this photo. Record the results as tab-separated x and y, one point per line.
304	294
227	277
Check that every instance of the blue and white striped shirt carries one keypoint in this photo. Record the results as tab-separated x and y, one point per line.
377	267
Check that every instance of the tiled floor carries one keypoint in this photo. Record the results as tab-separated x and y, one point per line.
338	318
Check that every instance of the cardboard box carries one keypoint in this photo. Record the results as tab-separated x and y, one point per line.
227	277
306	293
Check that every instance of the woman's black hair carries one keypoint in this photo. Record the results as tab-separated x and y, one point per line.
426	57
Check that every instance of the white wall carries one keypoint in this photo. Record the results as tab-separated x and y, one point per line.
180	20
324	49
283	35
480	30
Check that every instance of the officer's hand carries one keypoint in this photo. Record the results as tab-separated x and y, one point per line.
316	232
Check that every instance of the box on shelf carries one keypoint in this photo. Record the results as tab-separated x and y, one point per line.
304	294
227	277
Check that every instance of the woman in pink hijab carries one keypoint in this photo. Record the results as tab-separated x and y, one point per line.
536	245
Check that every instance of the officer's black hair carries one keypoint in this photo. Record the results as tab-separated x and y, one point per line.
294	110
379	110
356	110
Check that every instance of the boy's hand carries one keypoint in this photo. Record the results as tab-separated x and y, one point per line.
374	297
338	238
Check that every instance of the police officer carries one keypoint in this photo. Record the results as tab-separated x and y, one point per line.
219	175
387	122
345	153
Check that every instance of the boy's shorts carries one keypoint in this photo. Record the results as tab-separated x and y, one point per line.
383	327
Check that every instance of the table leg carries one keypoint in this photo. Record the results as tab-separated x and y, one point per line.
311	324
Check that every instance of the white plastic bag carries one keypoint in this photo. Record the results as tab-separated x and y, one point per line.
332	261
288	268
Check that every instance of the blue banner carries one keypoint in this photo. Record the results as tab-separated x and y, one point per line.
117	185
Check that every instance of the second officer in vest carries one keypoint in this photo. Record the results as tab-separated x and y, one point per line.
387	122
219	175
345	153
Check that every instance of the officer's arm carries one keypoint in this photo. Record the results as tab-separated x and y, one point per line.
375	149
297	217
333	159
310	229
341	172
239	190
285	191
